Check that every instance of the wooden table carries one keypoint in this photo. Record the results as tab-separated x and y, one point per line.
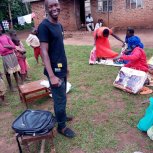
32	91
26	140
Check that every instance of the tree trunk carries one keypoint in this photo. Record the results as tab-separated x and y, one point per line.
27	8
10	14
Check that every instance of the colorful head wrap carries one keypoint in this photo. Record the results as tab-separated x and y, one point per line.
135	41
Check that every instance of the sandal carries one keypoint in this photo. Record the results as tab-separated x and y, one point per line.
145	91
67	132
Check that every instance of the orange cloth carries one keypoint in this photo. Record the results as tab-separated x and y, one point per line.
103	49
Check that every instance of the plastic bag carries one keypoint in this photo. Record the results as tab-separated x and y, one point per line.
150	133
147	121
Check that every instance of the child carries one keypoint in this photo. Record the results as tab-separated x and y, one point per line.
10	62
2	88
20	53
33	41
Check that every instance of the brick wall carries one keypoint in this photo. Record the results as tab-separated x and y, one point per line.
119	17
122	17
67	16
39	10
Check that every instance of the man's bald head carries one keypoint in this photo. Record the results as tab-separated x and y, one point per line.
52	8
47	1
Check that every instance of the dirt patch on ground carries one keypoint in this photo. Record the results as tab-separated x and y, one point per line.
99	118
112	107
5	115
86	38
8	145
7	137
131	137
76	150
107	151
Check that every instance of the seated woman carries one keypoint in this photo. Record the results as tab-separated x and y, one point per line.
137	59
103	49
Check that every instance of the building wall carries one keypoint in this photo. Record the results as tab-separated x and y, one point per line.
39	10
69	13
119	17
122	17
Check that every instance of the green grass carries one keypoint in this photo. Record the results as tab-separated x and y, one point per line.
93	101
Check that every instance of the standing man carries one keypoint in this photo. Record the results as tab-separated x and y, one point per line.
50	34
89	23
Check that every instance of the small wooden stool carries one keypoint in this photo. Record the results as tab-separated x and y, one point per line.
25	140
31	91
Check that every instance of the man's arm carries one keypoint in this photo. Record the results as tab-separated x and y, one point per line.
44	48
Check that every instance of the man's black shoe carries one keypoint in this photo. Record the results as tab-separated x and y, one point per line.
67	132
69	118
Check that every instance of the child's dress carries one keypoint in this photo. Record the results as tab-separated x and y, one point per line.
20	53
2	87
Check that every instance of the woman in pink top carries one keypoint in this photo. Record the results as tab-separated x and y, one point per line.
10	62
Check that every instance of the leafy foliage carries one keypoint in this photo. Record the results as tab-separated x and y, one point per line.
26	26
17	9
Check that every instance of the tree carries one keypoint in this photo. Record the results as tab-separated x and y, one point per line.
11	9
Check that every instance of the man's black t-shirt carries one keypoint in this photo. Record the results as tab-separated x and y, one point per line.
53	35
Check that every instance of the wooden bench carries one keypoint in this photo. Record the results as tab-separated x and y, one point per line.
26	140
32	91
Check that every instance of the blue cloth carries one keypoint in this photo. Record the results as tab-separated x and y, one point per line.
135	41
59	98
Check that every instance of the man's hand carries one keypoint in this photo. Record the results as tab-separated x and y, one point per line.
68	71
55	81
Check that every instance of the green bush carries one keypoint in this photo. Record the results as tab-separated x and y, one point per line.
23	27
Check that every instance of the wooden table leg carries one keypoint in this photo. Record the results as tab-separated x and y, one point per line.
27	147
42	149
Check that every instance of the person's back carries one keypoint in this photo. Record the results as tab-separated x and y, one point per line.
103	49
33	41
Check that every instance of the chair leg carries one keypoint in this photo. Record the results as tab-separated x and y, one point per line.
52	147
36	146
52	141
27	148
42	149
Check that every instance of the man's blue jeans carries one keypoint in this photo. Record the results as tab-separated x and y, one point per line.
59	98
